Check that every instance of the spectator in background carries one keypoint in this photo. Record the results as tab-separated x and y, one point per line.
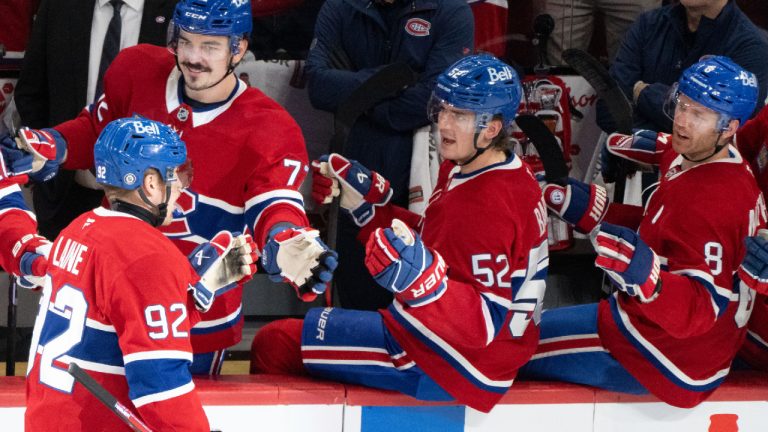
491	21
665	41
574	22
60	75
283	28
16	22
353	40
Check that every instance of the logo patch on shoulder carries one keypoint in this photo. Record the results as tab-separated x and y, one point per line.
418	27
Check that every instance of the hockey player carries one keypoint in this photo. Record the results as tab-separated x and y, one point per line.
752	141
117	304
468	281
248	154
677	319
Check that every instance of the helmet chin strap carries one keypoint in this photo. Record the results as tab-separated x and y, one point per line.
162	209
478	151
716	150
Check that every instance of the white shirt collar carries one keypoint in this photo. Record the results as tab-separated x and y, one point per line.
133	4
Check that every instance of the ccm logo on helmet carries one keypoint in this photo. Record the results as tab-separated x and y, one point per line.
418	27
194	15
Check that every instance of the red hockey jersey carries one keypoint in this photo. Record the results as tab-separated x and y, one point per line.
755	348
680	346
118	307
752	141
490	227
16	221
248	157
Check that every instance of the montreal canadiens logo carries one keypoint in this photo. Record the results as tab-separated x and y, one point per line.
418	27
556	197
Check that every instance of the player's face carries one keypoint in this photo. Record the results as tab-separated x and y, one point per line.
203	59
457	133
180	182
694	128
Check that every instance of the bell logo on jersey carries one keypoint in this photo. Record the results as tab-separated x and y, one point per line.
70	256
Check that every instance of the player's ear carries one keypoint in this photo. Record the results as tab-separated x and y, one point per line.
493	129
152	183
731	129
243	45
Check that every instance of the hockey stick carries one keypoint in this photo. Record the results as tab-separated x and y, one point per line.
618	105
105	397
10	343
550	153
383	84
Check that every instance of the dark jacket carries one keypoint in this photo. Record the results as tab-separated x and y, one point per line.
655	51
52	89
429	35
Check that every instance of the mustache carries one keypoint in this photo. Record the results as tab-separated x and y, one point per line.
197	66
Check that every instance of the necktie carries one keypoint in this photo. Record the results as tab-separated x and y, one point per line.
111	45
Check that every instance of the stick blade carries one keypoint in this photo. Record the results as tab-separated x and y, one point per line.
555	167
605	86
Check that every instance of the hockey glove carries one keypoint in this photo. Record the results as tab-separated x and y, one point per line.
30	260
37	153
298	256
221	263
753	271
400	262
632	266
643	146
7	177
581	205
361	190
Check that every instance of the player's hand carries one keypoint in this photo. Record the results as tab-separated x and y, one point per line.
643	146
753	271
581	205
298	256
400	262
30	260
37	153
630	263
7	177
220	264
361	189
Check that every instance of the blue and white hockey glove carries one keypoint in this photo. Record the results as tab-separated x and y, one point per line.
581	205
221	263
37	153
753	271
7	177
400	262
643	146
298	256
630	263
361	189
